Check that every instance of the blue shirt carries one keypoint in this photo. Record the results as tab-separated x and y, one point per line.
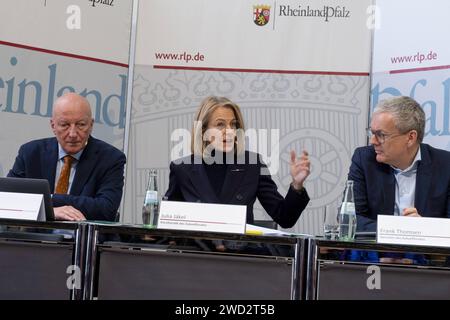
405	186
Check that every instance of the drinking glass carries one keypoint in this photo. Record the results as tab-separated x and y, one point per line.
331	222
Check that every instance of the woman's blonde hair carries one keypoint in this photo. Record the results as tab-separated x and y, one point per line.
202	118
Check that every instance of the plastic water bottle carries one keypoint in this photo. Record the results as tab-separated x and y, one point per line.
150	209
347	215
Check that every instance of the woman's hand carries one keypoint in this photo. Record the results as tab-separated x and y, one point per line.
300	169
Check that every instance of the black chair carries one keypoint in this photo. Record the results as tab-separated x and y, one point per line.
266	224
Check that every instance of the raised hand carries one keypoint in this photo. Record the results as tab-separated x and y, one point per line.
300	169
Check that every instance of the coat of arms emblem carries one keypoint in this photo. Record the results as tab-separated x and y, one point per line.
261	14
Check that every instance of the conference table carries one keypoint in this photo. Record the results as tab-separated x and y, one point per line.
88	260
365	269
132	262
95	261
42	260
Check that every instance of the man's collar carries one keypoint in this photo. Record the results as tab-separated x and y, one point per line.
413	165
62	153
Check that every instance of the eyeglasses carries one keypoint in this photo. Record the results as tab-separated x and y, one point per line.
381	136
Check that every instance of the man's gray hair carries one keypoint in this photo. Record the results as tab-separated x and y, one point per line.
407	113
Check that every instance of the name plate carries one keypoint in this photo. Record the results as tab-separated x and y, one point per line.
26	206
413	230
195	216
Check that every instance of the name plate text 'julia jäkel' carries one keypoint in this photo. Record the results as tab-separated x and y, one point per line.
195	216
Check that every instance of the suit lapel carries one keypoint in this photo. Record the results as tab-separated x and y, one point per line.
50	160
233	178
201	184
85	166
423	180
388	191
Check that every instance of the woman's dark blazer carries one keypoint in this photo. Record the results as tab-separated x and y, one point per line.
245	182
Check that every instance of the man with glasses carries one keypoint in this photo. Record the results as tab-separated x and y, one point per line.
398	174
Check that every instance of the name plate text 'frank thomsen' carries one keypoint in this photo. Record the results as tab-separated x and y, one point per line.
413	230
26	206
202	217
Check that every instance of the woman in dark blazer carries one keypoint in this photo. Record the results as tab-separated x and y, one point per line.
221	171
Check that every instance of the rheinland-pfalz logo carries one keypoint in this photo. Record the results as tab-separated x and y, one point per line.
104	2
261	14
325	12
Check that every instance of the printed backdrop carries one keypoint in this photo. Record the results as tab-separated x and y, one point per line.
42	57
410	58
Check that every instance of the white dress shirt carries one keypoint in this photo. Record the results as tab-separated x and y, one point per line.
405	186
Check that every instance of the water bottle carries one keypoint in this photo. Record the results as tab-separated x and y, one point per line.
150	210
347	214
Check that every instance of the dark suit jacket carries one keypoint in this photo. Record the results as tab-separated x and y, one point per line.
243	184
97	186
374	185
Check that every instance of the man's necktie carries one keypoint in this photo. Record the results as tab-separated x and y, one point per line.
63	182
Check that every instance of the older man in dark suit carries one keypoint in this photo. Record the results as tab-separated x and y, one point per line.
86	175
398	174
